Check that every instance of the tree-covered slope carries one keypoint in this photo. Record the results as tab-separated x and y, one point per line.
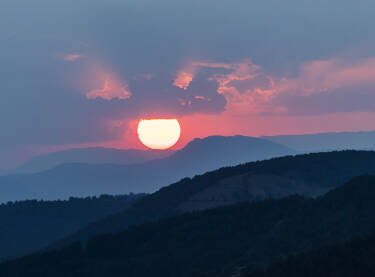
307	175
347	259
216	242
26	226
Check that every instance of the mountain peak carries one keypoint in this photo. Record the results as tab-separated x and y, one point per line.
233	143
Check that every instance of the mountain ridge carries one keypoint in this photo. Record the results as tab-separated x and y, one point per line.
319	142
90	155
94	179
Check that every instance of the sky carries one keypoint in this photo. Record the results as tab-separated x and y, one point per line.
80	73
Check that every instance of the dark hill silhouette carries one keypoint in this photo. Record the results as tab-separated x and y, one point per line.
218	242
27	226
307	175
81	180
348	259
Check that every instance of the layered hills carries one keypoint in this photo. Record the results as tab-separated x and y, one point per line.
86	179
224	241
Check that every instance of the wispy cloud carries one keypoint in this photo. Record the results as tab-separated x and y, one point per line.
185	76
203	98
111	89
184	102
245	87
71	57
330	75
183	80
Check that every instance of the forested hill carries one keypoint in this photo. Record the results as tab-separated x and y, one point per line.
26	226
347	259
216	242
308	175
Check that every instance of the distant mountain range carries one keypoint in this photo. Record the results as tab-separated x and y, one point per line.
87	179
27	226
230	240
98	155
327	141
91	155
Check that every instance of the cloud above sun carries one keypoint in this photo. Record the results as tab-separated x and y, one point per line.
183	80
240	88
248	89
111	89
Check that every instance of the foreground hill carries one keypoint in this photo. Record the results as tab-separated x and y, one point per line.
30	225
348	259
197	157
216	242
308	175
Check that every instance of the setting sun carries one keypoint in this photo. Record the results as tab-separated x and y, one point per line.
159	133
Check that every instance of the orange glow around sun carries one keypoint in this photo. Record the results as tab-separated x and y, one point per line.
159	133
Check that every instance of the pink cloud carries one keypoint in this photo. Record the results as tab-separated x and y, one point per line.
183	79
251	99
212	65
111	89
71	57
188	101
249	90
184	102
200	97
329	75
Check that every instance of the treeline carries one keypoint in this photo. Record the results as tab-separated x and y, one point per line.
31	202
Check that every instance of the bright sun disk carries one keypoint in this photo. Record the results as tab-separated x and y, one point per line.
159	133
